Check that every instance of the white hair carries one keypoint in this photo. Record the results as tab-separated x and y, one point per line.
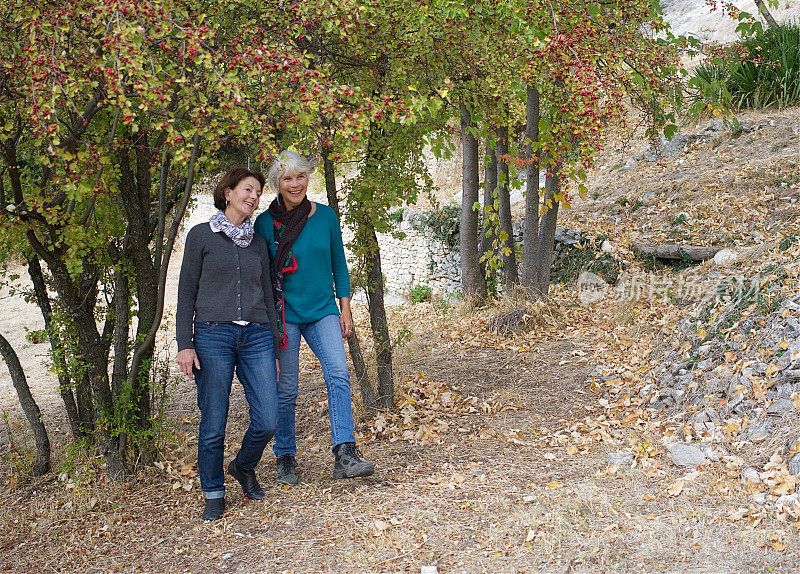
289	162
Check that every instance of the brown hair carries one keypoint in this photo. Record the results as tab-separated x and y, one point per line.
231	179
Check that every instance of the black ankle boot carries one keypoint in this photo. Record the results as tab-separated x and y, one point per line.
286	470
247	478
349	463
215	508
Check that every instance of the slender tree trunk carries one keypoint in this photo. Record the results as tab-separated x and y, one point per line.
368	397
76	424
79	300
94	358
530	237
359	365
41	462
119	368
122	294
377	318
764	11
152	279
489	195
547	232
504	207
473	282
329	170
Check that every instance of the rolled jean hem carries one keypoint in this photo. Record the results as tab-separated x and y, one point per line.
215	494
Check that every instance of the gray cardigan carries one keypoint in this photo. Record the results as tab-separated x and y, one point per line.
222	282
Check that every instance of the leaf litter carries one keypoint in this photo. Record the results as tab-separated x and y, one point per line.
496	455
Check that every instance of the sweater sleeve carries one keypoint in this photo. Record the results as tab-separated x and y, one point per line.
341	277
266	286
188	285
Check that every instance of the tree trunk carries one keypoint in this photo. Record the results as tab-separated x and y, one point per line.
547	232
762	9
489	195
377	317
530	237
329	171
79	298
41	462
677	252
359	365
473	282
94	358
151	276
78	427
504	208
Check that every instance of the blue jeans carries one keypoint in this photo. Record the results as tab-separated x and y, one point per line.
222	348
324	337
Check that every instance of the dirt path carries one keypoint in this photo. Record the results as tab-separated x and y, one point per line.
485	495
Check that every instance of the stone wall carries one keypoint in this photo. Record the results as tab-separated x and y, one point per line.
418	259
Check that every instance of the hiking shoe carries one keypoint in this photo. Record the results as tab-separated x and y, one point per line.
247	478
286	472
349	463
215	507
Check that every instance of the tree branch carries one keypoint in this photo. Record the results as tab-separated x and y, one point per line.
148	341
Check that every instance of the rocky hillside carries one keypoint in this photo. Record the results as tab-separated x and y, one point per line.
710	349
695	18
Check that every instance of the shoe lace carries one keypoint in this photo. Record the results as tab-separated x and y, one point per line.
352	450
285	462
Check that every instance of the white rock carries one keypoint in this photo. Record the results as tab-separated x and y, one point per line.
759	498
726	257
704	426
619	458
752	475
683	454
794	464
606	246
759	430
713	451
787	501
780	407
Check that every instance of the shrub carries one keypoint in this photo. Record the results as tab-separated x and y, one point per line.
759	72
420	293
443	224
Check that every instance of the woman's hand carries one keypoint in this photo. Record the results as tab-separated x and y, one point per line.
188	359
346	318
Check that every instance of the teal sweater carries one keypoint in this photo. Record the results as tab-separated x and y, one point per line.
321	265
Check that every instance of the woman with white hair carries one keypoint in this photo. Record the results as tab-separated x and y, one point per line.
309	273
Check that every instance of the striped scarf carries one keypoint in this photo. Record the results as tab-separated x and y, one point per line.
241	235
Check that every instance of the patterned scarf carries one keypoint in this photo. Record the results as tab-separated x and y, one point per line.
241	236
287	227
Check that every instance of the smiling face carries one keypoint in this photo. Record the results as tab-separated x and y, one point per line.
293	187
242	200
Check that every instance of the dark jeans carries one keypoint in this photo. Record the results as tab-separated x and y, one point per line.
221	348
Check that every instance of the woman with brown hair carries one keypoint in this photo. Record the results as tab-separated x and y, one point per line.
225	322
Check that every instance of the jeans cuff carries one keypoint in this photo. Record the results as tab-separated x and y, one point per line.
215	494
